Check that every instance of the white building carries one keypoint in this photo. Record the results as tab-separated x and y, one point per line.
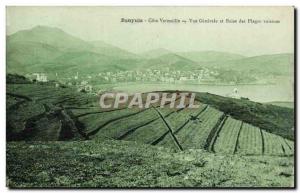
76	76
235	94
40	77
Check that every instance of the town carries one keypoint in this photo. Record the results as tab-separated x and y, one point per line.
149	75
163	76
89	82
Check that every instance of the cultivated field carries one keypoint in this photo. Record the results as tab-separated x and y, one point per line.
44	112
206	128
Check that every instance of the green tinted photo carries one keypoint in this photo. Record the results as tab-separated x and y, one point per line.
150	97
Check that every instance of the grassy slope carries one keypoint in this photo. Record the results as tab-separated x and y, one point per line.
126	164
282	104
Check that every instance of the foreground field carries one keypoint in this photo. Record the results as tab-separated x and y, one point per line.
113	163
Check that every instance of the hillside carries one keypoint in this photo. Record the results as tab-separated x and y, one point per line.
170	61
86	63
110	50
155	53
30	106
275	119
277	64
283	104
210	56
22	55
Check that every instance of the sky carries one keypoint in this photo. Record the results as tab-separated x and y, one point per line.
103	23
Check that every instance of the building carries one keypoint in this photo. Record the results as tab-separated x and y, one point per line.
40	77
76	76
235	94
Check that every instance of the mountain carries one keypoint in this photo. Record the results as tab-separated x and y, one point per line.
42	48
277	64
61	40
88	62
46	48
195	56
50	36
109	50
155	53
171	61
210	56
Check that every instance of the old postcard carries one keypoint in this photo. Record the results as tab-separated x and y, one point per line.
150	97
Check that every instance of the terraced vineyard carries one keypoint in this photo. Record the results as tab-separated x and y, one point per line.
39	115
250	140
228	137
92	123
45	112
196	132
122	128
276	145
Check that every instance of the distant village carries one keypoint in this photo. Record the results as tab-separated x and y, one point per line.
160	76
149	75
84	83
